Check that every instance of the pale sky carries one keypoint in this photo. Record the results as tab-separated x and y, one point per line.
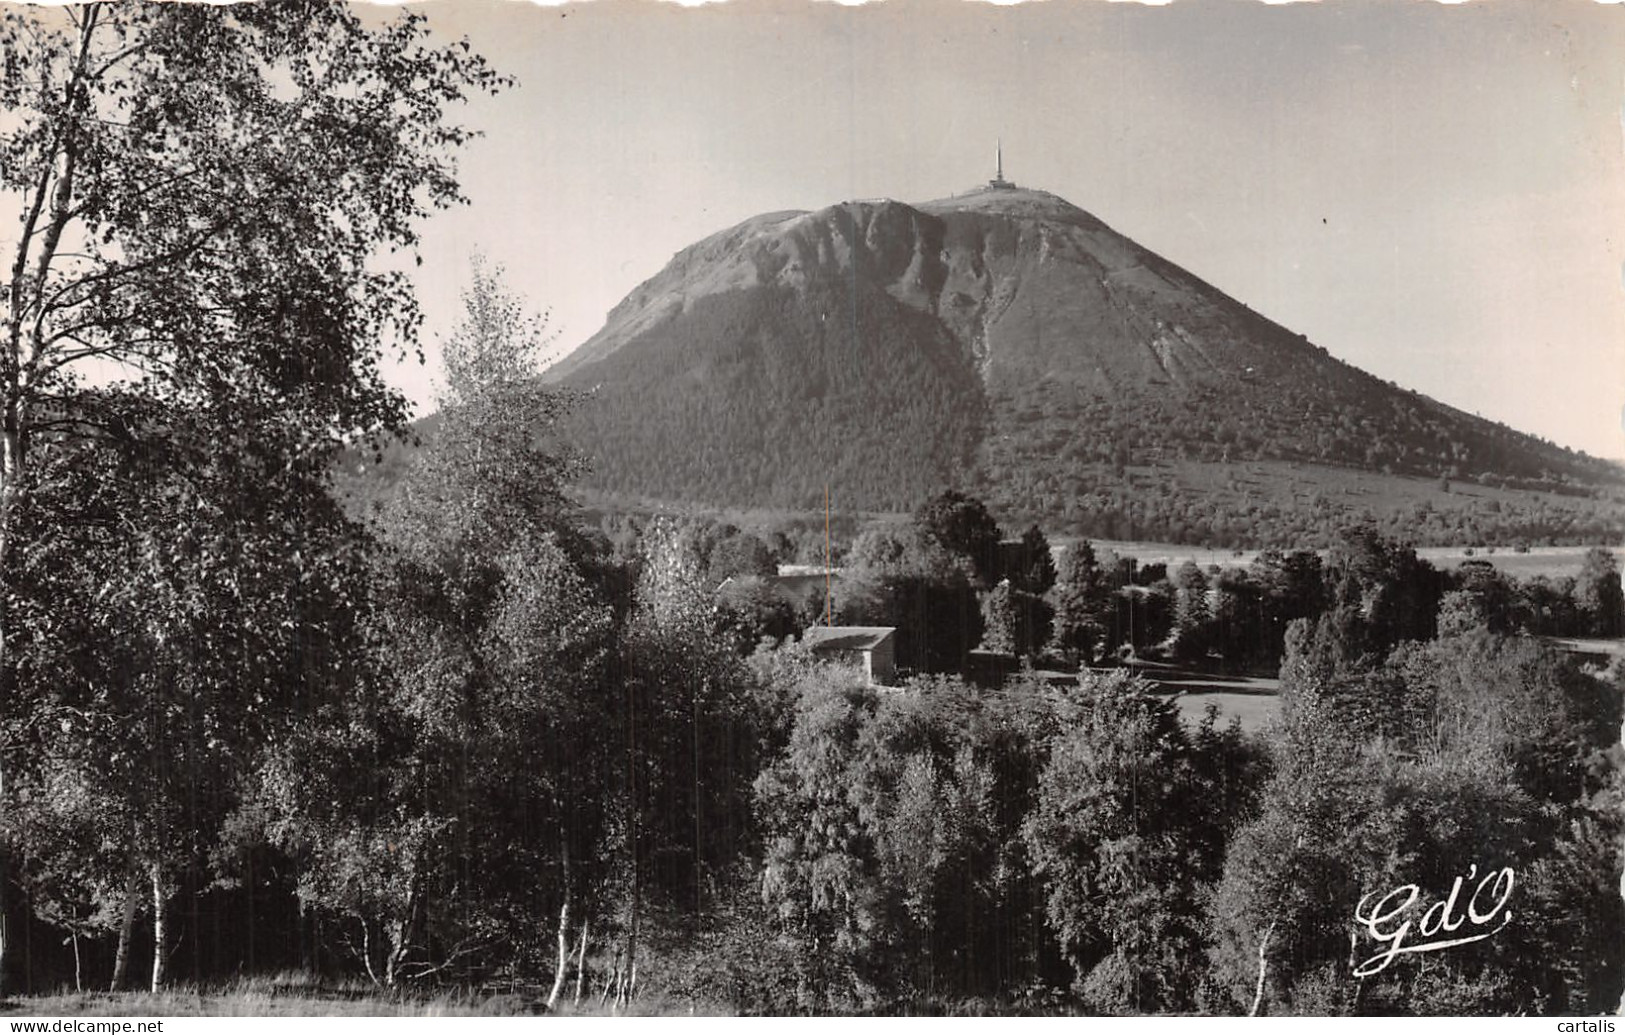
1433	193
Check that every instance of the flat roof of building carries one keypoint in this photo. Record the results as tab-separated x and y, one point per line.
789	570
847	637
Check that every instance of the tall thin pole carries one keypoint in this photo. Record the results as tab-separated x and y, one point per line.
827	621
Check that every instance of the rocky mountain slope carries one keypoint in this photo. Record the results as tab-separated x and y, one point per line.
1002	340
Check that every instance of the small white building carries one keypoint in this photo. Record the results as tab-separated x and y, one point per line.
870	647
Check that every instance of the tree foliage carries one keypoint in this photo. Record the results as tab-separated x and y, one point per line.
904	577
1081	602
962	525
490	649
1110	837
193	313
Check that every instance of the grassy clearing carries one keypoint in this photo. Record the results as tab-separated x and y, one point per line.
296	994
1253	711
279	995
1252	700
240	1004
1551	561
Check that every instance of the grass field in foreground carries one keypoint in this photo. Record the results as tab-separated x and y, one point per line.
289	994
298	994
229	1003
235	1003
244	1002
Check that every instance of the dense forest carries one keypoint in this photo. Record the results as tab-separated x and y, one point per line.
809	414
1218	470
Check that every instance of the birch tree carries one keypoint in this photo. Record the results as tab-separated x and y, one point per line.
448	807
202	195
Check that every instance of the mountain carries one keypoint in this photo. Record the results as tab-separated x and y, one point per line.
1008	342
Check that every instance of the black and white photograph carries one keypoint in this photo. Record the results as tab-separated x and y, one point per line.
784	508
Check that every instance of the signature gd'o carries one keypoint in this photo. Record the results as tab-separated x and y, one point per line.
1486	914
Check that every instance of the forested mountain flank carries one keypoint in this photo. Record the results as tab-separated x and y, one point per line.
1001	339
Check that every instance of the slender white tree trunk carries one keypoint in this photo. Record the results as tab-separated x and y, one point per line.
563	965
403	932
366	951
400	946
631	987
581	962
160	929
1263	969
126	933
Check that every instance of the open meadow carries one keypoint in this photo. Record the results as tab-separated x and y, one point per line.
1550	561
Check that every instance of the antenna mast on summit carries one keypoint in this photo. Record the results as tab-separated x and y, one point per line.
998	182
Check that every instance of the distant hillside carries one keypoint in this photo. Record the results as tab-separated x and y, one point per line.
1006	341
